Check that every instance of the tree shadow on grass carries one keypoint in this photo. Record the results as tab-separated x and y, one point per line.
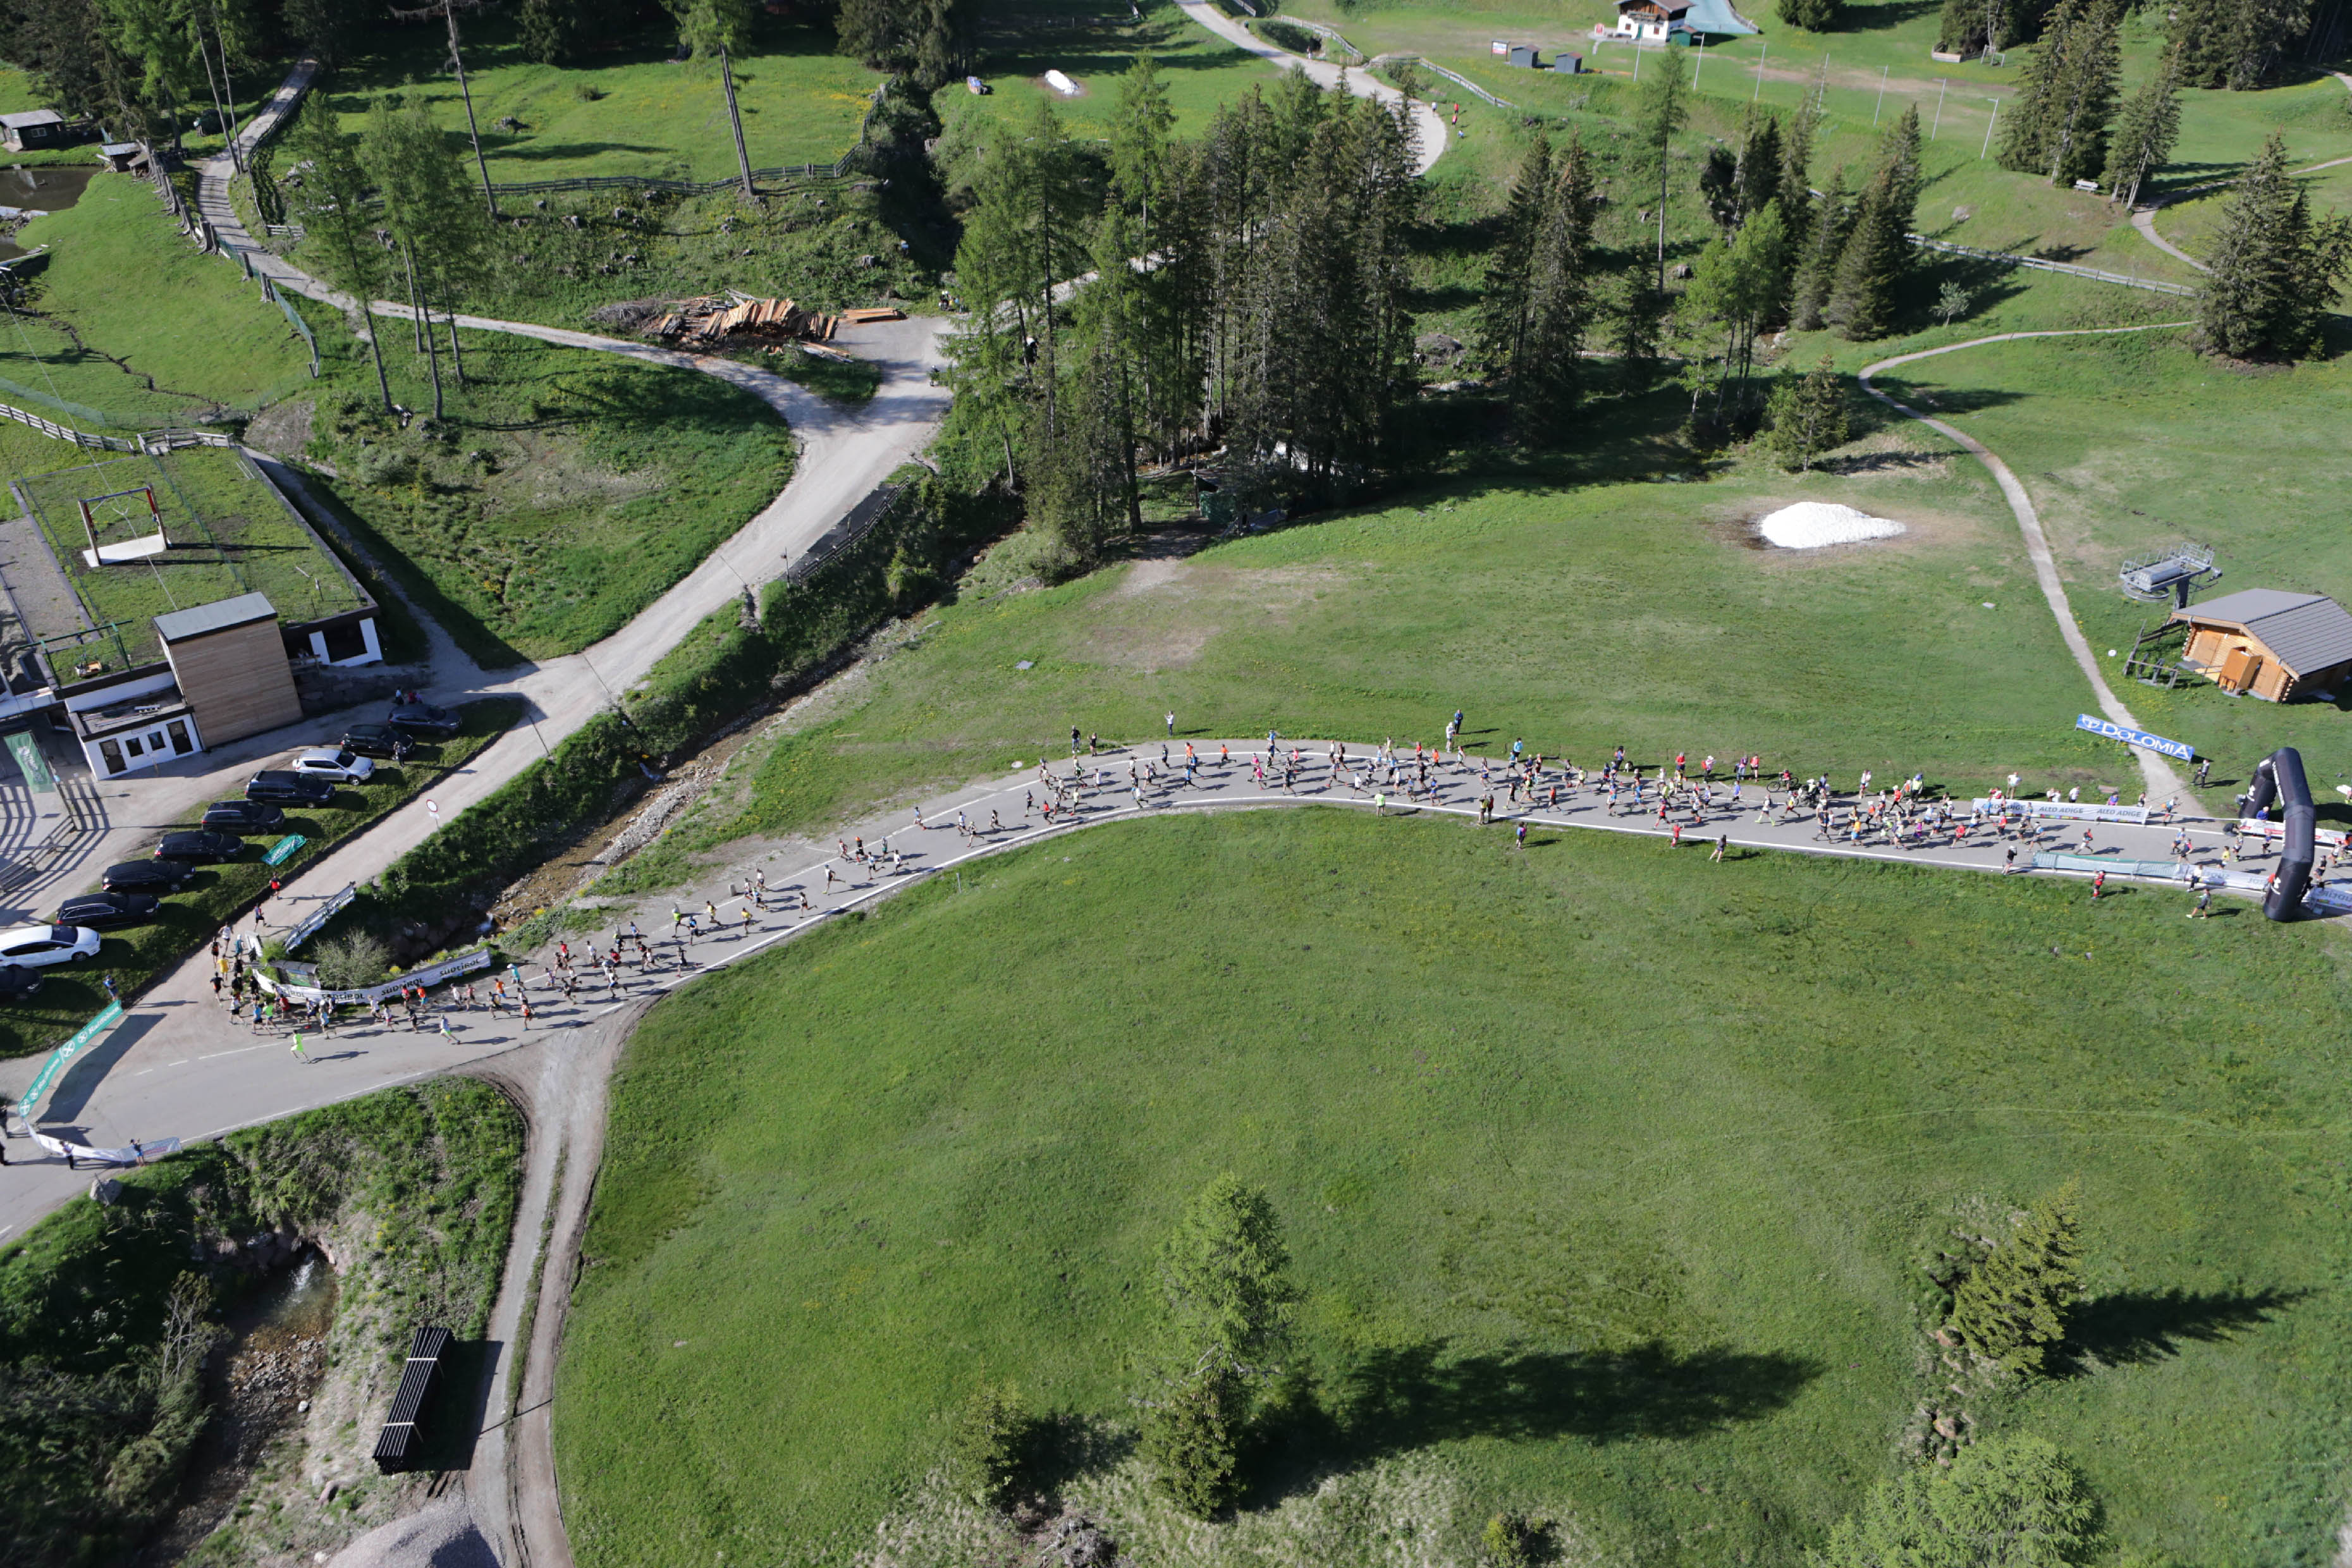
2137	1328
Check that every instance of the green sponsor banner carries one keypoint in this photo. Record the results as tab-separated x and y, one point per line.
59	1059
28	752
283	850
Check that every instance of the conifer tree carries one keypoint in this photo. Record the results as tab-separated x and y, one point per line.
1972	26
2012	1308
1227	1301
1816	271
1502	312
2050	99
2085	102
2235	43
2144	132
1547	381
1812	16
1664	109
332	205
2273	271
1807	417
2010	1501
1877	254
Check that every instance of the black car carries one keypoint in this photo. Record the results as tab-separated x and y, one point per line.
378	740
199	847
133	876
243	816
294	789
99	910
423	719
16	981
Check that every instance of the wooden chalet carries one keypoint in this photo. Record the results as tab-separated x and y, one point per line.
2268	643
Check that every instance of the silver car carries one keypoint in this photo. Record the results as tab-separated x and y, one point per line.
327	762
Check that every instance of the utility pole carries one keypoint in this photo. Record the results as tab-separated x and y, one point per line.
1881	96
236	162
1940	85
1760	55
449	11
1989	122
735	117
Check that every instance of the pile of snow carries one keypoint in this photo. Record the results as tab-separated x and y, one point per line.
1809	525
1061	84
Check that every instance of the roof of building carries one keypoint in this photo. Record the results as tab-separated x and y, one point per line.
2306	632
1717	16
31	117
218	616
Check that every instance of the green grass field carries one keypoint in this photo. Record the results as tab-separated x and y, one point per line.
192	337
231	533
566	491
626	109
1602	1167
1092	41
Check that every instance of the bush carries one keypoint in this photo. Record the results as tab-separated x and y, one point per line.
352	962
379	467
1288	35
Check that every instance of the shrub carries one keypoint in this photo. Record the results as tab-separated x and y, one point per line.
350	963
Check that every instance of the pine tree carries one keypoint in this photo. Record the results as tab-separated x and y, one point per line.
1227	1301
2235	43
2027	127
1807	417
2144	132
1547	377
942	45
1139	133
1972	26
1812	16
2012	1308
550	30
1877	254
2085	100
2012	1502
1816	271
2273	271
1503	311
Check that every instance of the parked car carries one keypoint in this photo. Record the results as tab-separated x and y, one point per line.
243	817
199	847
37	946
378	740
142	876
277	784
17	982
99	910
329	762
423	719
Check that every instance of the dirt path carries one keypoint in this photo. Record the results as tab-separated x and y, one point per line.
2163	784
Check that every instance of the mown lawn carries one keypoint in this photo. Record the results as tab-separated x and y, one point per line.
1604	1169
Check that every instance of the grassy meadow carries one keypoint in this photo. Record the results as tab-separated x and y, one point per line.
192	338
1603	1167
625	108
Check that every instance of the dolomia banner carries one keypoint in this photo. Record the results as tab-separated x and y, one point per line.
62	1057
2140	737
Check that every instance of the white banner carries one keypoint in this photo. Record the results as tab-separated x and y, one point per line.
2332	837
2071	810
137	1154
432	974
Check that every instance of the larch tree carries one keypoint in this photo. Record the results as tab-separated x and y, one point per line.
1877	253
1663	109
1547	381
2145	132
331	203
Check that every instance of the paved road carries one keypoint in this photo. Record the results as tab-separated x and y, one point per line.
2163	783
1428	126
2144	219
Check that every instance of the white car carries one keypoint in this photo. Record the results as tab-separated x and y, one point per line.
34	946
326	762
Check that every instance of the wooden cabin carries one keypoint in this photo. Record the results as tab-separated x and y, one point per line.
2268	643
33	128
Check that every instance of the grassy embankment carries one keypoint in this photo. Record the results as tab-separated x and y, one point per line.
412	1190
221	893
1604	1169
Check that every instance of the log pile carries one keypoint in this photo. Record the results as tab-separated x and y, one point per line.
706	322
